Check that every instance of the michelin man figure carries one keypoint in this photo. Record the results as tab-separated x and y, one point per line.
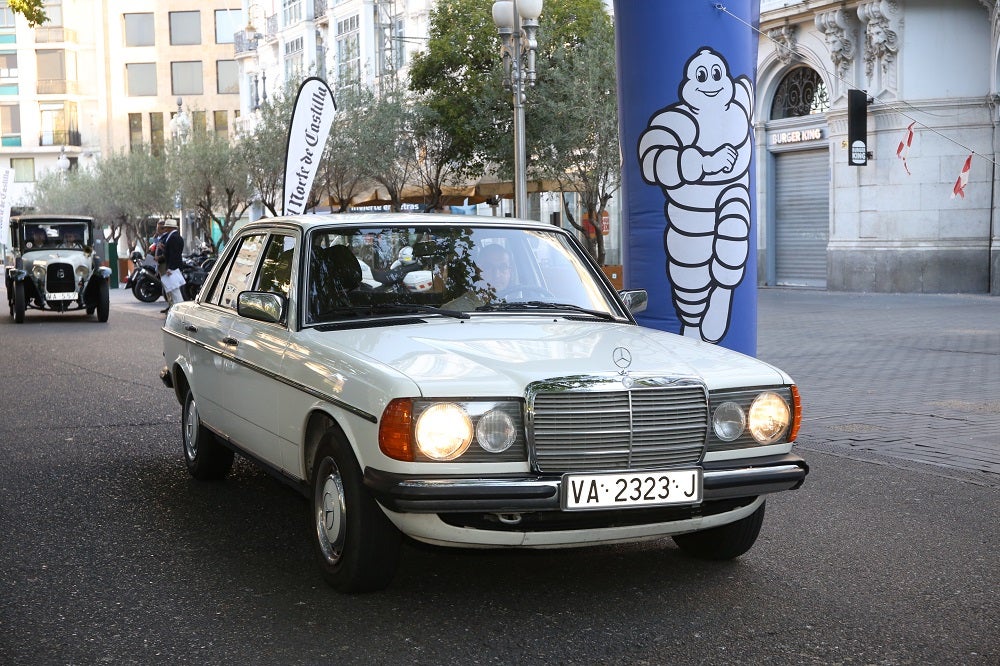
698	150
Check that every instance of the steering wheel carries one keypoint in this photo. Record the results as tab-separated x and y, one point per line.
525	292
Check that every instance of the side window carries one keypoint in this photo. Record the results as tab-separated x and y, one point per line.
276	270
237	276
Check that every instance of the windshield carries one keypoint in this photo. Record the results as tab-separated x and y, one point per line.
54	235
356	272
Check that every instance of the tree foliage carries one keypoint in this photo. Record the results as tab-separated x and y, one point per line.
386	122
212	177
265	147
32	10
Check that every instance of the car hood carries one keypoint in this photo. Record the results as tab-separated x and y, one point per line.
46	257
500	355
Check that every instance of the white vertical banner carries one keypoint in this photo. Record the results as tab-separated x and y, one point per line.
6	178
312	118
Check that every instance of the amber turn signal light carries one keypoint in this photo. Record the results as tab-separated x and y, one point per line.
394	430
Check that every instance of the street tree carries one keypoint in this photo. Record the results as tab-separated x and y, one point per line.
386	123
580	112
342	175
264	148
212	177
437	164
458	77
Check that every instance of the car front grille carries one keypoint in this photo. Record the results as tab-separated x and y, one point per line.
599	425
60	278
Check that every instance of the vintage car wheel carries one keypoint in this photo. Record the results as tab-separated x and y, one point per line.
206	458
103	301
357	546
20	303
725	542
146	289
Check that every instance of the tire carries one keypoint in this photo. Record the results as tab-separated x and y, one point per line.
20	303
207	459
146	289
725	542
103	301
356	544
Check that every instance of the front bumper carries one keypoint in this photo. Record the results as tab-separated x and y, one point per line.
520	494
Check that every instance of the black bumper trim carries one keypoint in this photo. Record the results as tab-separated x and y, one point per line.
522	493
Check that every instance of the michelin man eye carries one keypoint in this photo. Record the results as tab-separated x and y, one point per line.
701	74
716	73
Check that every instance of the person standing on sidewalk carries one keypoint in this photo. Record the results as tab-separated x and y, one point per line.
173	251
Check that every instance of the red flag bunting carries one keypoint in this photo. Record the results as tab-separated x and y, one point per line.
904	146
963	179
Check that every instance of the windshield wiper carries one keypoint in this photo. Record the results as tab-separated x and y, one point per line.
543	305
418	307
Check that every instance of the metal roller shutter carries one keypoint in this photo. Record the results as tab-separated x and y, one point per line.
802	217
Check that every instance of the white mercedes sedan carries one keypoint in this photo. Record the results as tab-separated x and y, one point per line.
472	382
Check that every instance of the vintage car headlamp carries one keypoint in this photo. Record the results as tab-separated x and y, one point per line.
443	432
768	418
38	272
473	431
82	272
728	421
496	431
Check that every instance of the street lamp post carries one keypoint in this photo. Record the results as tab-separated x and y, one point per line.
517	24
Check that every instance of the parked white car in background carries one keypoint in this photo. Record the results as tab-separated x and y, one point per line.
469	382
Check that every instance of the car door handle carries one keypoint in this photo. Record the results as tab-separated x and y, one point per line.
191	328
230	342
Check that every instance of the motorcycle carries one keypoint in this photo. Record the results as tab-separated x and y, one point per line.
144	280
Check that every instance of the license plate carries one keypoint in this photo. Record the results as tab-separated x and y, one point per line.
631	489
61	296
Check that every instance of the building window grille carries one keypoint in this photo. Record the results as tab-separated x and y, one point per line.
24	169
801	93
348	51
291	12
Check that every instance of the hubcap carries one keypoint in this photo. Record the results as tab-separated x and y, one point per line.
191	430
330	509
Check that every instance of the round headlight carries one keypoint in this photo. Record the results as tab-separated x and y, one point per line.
82	272
769	418
443	432
728	421
495	431
38	272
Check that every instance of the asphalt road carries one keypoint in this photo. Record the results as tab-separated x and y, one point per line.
111	553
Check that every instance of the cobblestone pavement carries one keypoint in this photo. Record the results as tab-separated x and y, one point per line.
901	379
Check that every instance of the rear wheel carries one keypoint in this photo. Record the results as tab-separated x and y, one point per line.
725	542
206	458
20	304
103	301
357	546
146	289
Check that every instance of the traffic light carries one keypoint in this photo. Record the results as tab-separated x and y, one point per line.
857	127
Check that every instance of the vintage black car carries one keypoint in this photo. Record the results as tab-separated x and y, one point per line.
55	268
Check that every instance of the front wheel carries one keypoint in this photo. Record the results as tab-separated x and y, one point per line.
357	546
146	289
725	542
20	303
103	301
206	458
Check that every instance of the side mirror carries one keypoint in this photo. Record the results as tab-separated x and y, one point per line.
634	299
261	306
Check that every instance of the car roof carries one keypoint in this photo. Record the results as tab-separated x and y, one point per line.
35	217
361	220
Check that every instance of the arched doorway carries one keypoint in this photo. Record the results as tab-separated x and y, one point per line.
801	177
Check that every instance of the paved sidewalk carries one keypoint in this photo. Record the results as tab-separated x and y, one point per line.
904	379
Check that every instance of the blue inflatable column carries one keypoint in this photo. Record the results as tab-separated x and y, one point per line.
686	73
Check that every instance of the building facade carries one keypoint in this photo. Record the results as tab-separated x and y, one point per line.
101	76
903	222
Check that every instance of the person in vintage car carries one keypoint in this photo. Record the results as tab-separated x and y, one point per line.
538	414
